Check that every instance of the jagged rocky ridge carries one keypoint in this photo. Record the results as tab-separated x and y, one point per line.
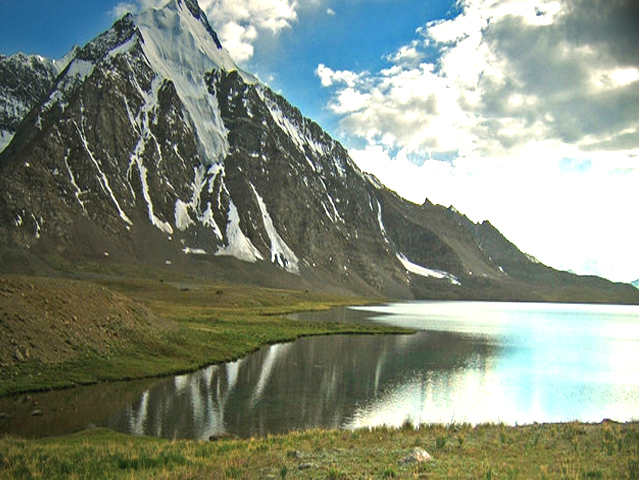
152	146
24	81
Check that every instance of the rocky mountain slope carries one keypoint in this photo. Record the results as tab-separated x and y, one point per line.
24	81
153	147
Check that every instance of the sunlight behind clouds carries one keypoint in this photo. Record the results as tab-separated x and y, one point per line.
518	88
504	78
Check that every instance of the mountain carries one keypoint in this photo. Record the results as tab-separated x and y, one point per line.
24	81
635	283
152	147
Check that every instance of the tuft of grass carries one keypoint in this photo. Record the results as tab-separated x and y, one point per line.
389	472
441	442
335	474
408	425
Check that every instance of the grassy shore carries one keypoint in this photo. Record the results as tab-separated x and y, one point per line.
156	328
571	451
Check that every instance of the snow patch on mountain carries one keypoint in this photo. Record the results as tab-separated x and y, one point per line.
208	221
281	254
298	133
142	124
72	179
380	224
193	251
206	218
76	73
62	63
5	139
155	221
181	215
238	245
373	180
79	70
533	259
12	106
124	48
102	177
203	178
424	271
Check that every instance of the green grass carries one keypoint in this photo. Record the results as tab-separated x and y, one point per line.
571	451
211	323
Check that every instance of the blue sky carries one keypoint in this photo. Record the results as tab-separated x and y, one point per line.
287	60
355	35
523	112
51	28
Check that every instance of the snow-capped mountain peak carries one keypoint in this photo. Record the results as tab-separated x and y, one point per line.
180	33
181	47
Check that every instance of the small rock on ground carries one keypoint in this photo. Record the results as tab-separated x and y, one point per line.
418	455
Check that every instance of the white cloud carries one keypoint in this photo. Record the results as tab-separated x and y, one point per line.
407	55
238	39
271	15
331	12
134	6
328	77
122	8
509	75
351	100
240	23
518	90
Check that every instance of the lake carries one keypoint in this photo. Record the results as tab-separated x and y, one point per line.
469	362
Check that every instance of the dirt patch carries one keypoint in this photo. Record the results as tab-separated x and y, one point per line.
52	320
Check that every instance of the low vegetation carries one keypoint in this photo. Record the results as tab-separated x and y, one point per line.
572	451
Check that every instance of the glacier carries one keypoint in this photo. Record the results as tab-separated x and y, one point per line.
180	48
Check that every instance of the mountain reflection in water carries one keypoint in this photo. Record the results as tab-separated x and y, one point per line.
313	382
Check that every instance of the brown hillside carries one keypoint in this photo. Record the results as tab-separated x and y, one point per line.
52	320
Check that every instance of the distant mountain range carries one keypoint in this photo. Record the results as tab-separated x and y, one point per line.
149	146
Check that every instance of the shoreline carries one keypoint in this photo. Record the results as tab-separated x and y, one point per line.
159	330
324	329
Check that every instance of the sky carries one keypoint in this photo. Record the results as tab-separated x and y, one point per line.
520	112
